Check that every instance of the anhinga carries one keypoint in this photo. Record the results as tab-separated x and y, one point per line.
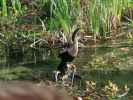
69	52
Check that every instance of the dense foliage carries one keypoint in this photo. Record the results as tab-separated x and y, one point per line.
30	29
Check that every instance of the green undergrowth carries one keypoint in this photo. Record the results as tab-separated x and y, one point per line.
15	73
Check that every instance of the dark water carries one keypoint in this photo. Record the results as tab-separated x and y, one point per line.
107	63
98	64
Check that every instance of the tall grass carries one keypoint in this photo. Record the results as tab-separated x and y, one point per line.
16	5
6	9
60	14
63	14
102	13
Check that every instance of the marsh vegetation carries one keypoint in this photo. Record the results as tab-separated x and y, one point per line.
32	32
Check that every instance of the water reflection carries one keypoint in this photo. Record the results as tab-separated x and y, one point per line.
98	64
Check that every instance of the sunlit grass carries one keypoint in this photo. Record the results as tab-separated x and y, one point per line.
15	73
4	7
104	16
15	7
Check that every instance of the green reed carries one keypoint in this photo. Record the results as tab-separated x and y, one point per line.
3	7
60	16
63	14
16	5
99	13
7	9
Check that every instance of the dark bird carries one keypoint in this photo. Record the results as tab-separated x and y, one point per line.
68	52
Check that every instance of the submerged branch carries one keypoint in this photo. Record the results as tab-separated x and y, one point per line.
35	42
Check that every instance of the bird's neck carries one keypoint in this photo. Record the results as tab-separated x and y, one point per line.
74	36
74	49
75	42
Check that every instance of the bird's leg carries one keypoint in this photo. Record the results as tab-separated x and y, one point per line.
71	71
61	71
73	74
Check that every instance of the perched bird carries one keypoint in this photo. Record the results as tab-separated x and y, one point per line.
68	52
